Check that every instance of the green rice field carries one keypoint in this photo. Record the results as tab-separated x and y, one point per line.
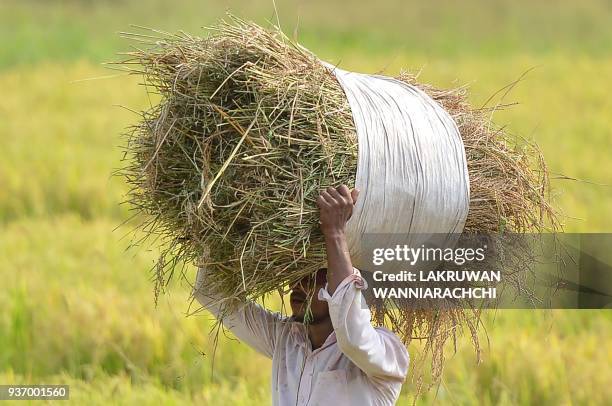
77	304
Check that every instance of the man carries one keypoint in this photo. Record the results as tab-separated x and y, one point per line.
336	358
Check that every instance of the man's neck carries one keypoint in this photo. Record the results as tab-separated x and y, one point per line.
318	332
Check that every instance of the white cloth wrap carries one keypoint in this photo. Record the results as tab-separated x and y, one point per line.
411	170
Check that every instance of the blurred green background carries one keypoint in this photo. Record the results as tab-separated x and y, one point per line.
77	308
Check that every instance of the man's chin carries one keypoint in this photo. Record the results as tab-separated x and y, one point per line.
298	316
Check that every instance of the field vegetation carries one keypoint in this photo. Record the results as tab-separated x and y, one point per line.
77	305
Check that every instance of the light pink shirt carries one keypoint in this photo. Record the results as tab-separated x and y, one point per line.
357	365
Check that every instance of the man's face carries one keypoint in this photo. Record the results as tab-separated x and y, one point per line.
307	289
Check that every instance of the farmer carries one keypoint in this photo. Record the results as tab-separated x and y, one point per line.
337	357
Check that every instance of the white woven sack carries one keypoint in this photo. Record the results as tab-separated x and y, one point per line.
411	170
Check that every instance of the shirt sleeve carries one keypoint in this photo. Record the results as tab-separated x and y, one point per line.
376	351
249	321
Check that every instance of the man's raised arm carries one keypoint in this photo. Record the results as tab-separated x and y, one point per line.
248	321
377	352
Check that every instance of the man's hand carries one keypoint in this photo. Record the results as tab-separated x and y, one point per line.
336	208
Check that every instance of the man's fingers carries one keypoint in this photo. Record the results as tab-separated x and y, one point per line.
328	198
341	195
334	193
345	192
355	195
321	202
338	198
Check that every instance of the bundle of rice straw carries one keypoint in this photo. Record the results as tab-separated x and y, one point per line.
249	128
